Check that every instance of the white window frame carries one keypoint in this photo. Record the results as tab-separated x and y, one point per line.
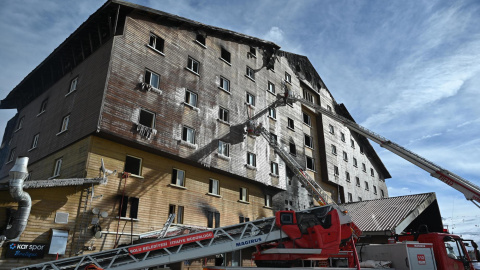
244	194
154	44
154	79
188	134
214	187
312	161
274	168
224	148
65	122
193	65
73	85
223	114
189	100
250	73
250	99
179	179
271	87
57	168
288	77
224	84
292	125
35	141
272	113
251	159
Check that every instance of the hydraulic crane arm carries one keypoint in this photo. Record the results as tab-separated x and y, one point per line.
470	190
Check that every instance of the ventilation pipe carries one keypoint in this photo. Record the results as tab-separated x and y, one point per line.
17	176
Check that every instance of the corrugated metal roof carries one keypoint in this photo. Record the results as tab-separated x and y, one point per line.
389	214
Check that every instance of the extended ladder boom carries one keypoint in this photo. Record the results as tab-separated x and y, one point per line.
470	190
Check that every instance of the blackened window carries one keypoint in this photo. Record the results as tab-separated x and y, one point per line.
225	55
293	149
156	42
308	141
200	39
310	163
133	165
147	119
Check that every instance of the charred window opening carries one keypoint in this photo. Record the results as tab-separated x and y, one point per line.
308	141
133	165
201	39
225	55
147	119
310	163
253	52
293	149
128	205
213	218
156	42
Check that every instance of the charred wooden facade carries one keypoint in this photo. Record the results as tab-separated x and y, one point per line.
166	99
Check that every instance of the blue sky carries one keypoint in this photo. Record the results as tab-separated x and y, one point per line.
408	70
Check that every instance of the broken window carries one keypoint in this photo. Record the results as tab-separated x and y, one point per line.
251	159
250	99
11	156
133	165
244	194
213	217
146	119
152	78
250	73
223	148
200	39
274	168
293	149
291	123
308	141
57	168
224	84
225	55
178	177
156	42
253	51
332	129
193	65
223	114
190	98
271	87
334	149
306	119
288	78
73	85
310	163
178	211
35	141
347	176
188	134
128	205
214	187
272	113
65	121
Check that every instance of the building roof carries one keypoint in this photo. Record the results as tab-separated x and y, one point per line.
99	28
396	214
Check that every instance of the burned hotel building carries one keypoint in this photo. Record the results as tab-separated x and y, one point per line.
161	103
